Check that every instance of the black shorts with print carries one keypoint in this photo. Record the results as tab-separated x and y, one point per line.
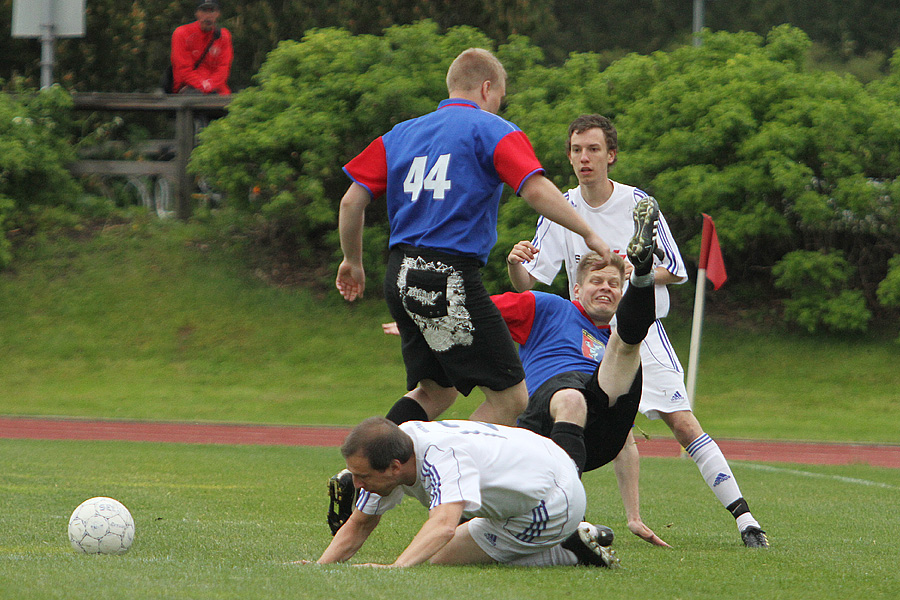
450	330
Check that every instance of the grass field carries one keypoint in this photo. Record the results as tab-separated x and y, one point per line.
163	322
150	321
222	521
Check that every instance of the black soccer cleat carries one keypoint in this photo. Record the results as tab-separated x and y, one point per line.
588	548
754	537
343	496
605	535
642	246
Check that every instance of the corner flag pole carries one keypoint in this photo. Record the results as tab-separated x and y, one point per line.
711	266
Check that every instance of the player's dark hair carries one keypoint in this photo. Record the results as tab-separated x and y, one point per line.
585	122
380	441
591	262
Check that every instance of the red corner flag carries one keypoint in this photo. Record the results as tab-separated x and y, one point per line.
711	254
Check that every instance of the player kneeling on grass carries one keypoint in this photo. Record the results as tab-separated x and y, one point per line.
521	492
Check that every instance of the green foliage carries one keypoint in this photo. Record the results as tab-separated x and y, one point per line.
315	105
889	289
782	156
816	282
34	153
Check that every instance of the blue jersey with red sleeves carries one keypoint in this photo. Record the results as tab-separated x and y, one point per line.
554	335
442	175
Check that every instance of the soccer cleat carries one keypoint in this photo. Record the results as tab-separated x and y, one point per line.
642	246
586	544
605	535
754	537
343	496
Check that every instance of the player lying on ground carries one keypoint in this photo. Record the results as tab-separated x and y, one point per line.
522	492
585	381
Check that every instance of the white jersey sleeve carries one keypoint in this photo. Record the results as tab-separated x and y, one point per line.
672	260
551	241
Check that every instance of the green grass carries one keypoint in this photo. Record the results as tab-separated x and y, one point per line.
222	521
155	321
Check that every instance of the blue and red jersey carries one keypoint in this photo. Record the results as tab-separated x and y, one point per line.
443	174
555	335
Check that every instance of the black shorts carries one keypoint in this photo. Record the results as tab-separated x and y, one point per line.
450	330
606	428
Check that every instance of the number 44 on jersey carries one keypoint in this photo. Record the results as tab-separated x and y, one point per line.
435	181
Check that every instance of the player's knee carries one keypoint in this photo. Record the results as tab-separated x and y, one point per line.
568	405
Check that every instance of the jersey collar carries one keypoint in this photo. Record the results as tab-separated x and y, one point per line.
590	320
458	102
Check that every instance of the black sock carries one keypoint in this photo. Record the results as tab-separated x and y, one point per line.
636	313
406	409
738	507
570	437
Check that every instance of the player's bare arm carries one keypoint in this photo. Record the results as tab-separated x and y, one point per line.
519	276
436	533
543	196
627	469
349	538
351	278
662	276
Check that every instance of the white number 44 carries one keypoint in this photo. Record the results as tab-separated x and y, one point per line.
436	181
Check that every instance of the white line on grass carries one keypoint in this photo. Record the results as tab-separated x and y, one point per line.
821	476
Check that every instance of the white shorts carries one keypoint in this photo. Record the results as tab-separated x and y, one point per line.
663	390
548	524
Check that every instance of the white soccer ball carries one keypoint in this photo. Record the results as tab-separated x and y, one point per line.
101	526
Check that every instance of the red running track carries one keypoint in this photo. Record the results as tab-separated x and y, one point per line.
274	435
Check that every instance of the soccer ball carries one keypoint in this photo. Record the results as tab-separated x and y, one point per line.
101	526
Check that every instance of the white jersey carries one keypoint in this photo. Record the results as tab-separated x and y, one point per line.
613	222
498	472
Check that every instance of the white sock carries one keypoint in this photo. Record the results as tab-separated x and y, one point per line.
714	469
555	556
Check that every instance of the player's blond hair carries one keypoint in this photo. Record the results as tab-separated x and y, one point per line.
591	262
472	68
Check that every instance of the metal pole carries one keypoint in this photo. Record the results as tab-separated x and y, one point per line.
698	21
47	58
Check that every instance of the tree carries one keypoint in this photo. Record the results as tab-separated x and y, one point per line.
741	128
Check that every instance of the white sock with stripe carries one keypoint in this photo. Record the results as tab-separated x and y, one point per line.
718	476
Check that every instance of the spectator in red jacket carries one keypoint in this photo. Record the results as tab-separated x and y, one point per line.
202	53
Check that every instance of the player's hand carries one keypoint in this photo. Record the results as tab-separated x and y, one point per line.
522	252
645	533
390	328
596	243
351	280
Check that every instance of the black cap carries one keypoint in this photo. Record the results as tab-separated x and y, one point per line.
208	5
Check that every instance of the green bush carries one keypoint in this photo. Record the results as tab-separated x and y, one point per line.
34	153
816	282
741	128
316	104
